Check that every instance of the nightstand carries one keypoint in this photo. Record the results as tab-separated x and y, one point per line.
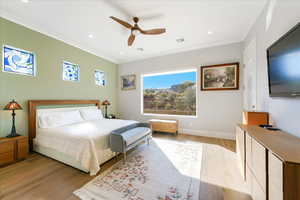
13	149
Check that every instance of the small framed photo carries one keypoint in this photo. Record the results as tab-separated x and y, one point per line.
128	82
100	78
18	61
71	72
220	77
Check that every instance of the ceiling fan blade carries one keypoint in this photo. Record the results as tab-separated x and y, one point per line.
154	31
127	25
131	39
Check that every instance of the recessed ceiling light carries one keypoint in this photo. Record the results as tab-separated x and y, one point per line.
209	32
140	49
91	36
180	40
25	1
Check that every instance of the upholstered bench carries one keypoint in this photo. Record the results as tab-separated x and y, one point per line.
126	138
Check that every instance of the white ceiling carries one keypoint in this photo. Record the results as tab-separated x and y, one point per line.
73	20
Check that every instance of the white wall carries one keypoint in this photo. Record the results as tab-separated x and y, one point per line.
277	18
218	111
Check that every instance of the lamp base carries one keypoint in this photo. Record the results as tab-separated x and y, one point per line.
12	135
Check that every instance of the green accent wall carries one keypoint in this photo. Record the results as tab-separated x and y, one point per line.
48	83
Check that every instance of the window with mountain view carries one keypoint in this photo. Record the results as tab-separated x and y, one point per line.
170	93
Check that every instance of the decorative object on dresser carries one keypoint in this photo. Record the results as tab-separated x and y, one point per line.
13	105
220	77
13	149
270	162
169	126
255	118
105	104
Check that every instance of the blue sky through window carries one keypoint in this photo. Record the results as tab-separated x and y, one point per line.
167	80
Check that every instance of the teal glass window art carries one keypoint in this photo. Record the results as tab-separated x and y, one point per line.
100	78
18	61
71	71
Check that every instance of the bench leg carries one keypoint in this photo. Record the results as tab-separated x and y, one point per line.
124	157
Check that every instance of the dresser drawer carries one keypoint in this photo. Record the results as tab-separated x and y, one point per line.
248	150
259	163
22	147
275	178
257	191
7	146
7	158
240	150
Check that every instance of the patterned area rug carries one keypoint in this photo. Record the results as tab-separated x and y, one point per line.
164	170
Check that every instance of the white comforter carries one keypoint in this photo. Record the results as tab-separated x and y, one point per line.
81	141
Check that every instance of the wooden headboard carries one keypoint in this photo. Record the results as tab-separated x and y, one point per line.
32	107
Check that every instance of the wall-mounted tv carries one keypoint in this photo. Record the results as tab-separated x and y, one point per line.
284	65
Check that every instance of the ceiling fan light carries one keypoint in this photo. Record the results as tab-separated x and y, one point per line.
135	32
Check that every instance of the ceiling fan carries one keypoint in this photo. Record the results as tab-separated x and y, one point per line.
135	29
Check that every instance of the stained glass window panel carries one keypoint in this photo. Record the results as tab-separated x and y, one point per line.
18	61
100	78
71	72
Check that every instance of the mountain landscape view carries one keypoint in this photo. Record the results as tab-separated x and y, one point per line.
178	99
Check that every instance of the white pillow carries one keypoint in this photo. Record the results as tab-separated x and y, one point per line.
57	119
91	114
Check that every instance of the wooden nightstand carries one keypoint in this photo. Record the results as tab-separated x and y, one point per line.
13	149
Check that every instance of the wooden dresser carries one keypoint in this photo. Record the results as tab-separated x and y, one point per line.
13	149
270	162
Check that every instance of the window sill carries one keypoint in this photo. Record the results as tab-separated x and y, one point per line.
166	115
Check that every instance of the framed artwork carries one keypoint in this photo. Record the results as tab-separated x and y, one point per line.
128	82
18	61
100	78
220	77
71	72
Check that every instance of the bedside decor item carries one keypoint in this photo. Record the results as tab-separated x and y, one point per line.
100	78
106	103
71	72
18	61
128	82
13	105
220	77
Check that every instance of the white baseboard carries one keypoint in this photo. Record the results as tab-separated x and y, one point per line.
215	134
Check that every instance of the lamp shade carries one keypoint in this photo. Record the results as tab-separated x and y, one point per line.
13	105
105	103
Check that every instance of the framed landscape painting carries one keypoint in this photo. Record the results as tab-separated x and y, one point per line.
18	61
128	82
220	77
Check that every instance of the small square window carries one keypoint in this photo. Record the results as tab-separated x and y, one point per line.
100	78
71	72
18	61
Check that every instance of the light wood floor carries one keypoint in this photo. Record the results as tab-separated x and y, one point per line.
41	178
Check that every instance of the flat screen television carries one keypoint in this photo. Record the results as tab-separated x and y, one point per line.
284	65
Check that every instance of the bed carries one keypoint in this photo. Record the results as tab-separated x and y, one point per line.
76	136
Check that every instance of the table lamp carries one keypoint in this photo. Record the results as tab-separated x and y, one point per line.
13	105
105	103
